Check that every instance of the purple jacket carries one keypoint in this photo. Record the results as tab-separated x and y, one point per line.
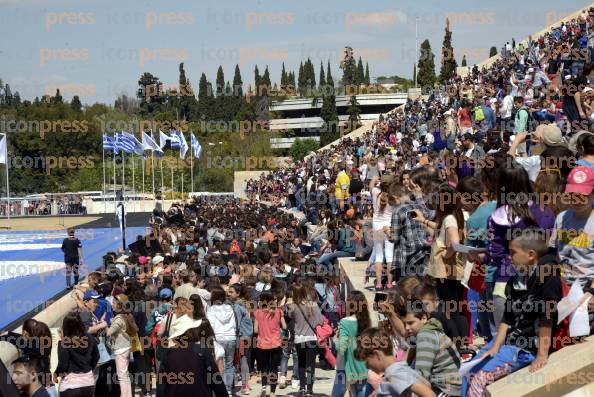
500	231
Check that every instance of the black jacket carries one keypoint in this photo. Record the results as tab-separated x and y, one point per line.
77	356
190	371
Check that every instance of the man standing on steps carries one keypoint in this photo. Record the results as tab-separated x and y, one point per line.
72	248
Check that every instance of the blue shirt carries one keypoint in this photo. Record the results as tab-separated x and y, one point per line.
584	163
476	228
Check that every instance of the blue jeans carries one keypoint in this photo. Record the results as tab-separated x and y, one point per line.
339	387
359	389
488	329
229	377
288	351
328	259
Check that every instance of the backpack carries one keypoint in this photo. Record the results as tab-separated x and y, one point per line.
531	122
479	115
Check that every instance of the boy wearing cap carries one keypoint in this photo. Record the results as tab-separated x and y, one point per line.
573	233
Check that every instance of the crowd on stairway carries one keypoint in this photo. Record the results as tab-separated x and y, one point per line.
471	206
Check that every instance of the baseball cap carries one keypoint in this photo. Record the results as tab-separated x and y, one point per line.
91	294
580	180
165	293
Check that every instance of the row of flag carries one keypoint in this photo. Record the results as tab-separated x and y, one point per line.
128	143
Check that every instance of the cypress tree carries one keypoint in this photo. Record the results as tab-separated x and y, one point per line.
301	79
322	77
493	52
448	61
464	63
283	79
367	79
426	67
257	81
220	81
360	72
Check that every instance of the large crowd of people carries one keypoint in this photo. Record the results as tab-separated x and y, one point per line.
472	207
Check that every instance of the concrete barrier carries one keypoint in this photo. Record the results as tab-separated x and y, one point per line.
569	371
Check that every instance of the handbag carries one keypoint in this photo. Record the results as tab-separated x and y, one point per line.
104	353
323	331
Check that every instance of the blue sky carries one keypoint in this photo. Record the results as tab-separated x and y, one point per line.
99	48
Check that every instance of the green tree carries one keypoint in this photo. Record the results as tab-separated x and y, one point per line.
302	147
330	131
56	99
367	78
354	113
266	83
349	68
464	63
426	67
75	104
220	82
492	51
257	81
301	80
360	73
283	80
448	60
150	94
322	77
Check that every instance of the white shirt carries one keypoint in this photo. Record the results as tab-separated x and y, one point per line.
507	107
531	164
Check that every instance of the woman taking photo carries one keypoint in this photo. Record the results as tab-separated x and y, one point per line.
77	357
307	315
445	267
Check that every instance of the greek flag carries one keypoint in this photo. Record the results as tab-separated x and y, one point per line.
163	138
183	149
109	144
125	143
196	147
138	148
174	139
159	149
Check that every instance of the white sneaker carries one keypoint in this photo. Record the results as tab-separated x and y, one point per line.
282	382
263	392
295	384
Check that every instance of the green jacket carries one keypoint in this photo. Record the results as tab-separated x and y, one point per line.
437	359
347	343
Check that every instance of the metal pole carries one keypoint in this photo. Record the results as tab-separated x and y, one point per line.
416	49
123	177
114	181
191	165
104	202
153	171
7	183
123	228
133	182
171	166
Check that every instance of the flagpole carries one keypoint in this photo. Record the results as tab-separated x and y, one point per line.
171	166
162	180
103	162
142	192
133	182
153	170
7	183
123	176
191	163
114	177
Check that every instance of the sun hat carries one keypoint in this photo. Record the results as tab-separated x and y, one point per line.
552	136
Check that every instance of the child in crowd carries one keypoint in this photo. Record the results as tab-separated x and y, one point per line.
399	380
433	354
268	321
525	335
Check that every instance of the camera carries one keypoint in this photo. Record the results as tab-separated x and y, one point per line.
412	215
